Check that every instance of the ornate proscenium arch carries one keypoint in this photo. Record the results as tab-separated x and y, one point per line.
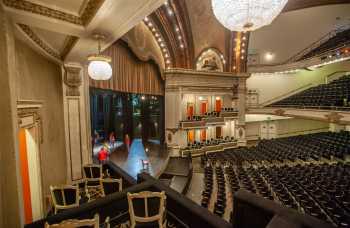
174	26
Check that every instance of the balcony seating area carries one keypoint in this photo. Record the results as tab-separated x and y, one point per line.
339	40
212	114
307	173
211	142
334	95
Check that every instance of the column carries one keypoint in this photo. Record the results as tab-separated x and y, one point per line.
241	105
76	111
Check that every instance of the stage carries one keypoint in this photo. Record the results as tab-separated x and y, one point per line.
157	156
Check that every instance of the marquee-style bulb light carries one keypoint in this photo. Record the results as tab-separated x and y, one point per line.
246	15
99	67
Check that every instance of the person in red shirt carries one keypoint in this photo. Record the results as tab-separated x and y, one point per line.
103	155
127	142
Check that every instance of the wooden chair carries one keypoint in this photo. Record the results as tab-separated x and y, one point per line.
64	197
110	185
92	174
73	223
147	208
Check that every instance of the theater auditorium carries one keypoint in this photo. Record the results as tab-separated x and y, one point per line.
175	113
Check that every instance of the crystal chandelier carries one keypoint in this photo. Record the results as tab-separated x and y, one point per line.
246	15
99	67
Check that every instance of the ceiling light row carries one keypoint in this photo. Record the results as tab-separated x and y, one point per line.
160	41
170	12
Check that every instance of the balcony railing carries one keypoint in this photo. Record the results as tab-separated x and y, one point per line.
199	149
181	212
209	119
335	108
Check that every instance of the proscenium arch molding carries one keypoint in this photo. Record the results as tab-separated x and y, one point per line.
144	56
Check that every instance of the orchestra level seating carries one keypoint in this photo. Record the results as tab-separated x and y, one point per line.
335	94
308	173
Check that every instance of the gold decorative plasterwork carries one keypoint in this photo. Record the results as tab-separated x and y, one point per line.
73	80
31	109
68	45
88	13
36	39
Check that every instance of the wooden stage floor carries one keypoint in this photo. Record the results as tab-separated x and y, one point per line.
157	157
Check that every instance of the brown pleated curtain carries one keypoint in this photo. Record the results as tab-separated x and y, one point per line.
130	74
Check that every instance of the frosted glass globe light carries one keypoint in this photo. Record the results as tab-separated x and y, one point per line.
100	70
246	15
99	67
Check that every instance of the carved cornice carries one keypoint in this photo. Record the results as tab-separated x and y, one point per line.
28	112
88	13
43	11
68	45
36	39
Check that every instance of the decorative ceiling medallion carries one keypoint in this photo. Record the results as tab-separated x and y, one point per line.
89	12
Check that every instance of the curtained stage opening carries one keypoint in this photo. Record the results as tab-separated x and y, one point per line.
129	108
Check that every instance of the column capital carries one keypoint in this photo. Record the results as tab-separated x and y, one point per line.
72	79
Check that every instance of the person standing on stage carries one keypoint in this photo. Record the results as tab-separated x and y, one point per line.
127	142
103	155
111	140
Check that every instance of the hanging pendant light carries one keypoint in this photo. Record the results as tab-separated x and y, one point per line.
246	15
99	67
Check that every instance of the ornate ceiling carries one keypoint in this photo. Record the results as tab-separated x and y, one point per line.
202	31
62	30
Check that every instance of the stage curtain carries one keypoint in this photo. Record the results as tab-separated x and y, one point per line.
130	74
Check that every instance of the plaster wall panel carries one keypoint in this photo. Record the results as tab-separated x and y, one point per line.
40	79
75	138
11	214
